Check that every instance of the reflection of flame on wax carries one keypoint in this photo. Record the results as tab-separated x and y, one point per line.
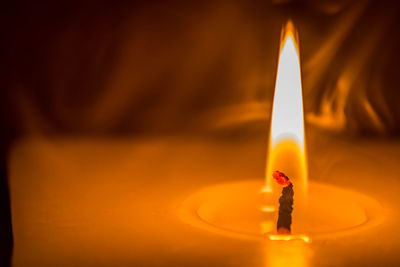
289	237
287	143
282	254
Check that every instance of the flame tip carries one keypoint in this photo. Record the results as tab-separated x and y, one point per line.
289	30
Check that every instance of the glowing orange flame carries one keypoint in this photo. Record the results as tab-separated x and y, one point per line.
287	151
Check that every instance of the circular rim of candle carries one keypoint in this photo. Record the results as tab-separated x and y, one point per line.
189	213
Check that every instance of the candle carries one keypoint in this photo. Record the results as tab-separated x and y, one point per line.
81	202
178	202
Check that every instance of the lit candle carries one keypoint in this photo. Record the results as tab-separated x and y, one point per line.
176	202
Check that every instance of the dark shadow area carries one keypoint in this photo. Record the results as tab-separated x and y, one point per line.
8	126
6	236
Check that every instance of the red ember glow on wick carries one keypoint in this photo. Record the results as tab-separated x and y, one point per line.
281	178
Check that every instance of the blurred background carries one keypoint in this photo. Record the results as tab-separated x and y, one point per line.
154	68
161	66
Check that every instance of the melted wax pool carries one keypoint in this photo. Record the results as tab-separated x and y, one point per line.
236	209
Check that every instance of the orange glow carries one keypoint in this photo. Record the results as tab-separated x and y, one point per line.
295	253
287	152
289	237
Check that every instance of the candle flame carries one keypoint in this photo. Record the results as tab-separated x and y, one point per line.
286	150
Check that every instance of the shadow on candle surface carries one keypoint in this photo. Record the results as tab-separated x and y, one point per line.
6	235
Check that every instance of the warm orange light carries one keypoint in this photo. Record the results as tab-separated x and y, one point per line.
289	237
287	152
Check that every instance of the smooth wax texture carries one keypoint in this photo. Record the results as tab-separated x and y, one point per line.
115	202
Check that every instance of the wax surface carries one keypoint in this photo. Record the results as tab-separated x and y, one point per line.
114	202
236	209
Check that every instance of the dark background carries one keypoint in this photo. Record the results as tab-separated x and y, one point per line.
195	68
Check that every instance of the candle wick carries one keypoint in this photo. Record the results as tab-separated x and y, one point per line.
285	203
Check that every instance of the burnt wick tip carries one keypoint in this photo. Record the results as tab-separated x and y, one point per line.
285	203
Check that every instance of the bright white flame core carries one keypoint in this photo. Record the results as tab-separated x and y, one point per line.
287	114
